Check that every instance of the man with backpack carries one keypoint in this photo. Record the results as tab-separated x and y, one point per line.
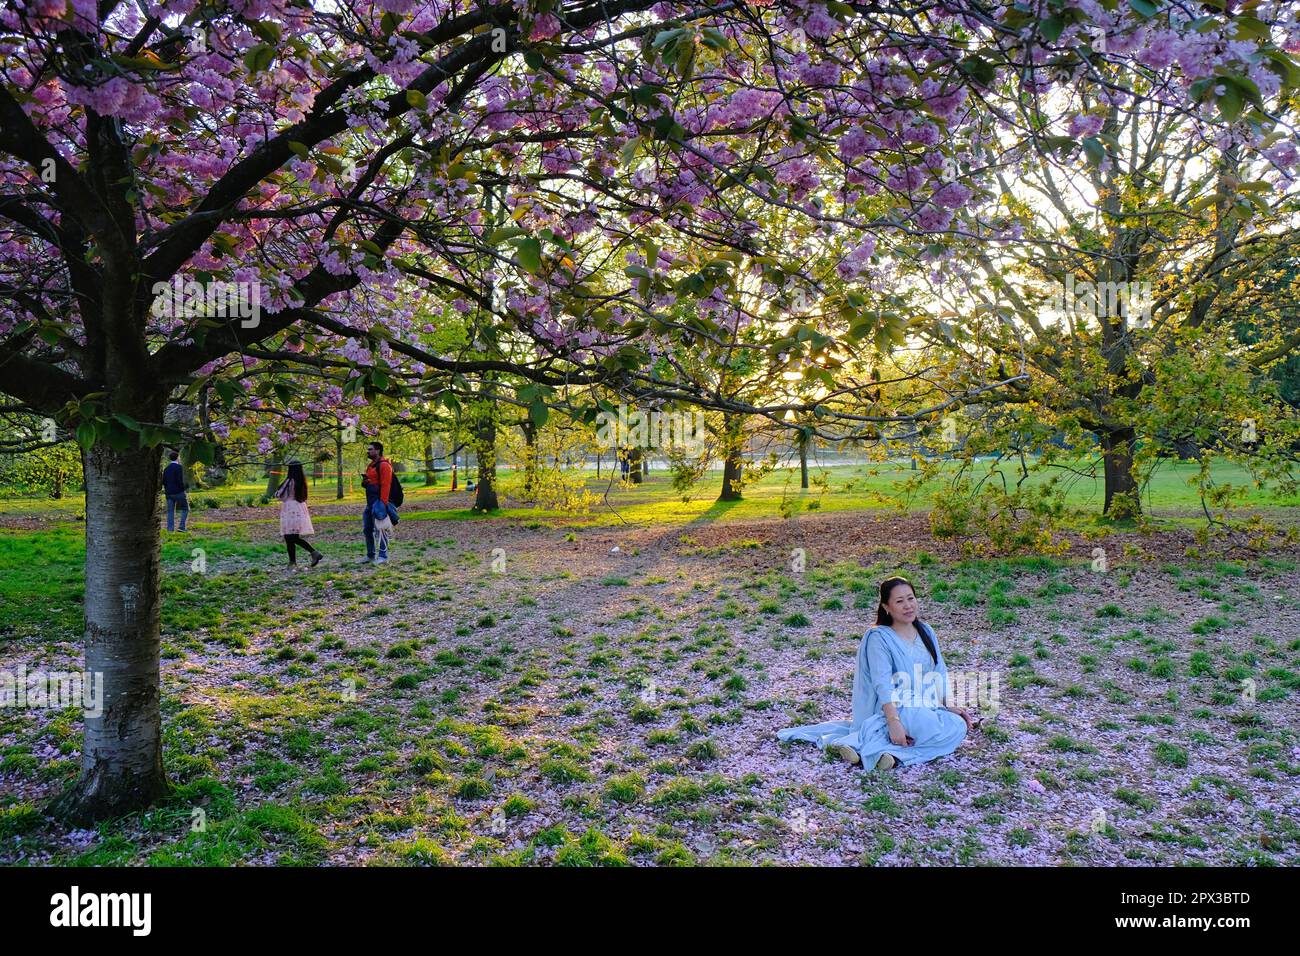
383	496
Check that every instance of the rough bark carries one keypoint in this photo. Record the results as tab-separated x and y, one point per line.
1122	499
121	762
485	440
733	464
733	470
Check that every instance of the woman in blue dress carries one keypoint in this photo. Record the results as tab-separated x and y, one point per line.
901	701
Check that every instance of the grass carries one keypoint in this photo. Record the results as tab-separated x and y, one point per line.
437	713
870	487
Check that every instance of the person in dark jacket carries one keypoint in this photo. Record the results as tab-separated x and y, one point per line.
173	480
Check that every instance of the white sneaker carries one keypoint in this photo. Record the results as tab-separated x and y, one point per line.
886	762
381	559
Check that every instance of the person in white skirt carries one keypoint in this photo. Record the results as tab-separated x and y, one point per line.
295	519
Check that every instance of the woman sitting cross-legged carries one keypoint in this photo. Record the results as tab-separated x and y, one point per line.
901	712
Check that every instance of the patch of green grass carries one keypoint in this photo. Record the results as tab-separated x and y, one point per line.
1170	754
628	788
593	848
563	770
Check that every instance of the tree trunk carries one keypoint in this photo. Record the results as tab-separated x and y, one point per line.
121	756
1122	499
485	440
430	476
531	479
272	479
218	472
733	465
733	468
636	465
338	460
803	460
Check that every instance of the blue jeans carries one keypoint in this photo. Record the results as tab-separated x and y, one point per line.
368	526
173	501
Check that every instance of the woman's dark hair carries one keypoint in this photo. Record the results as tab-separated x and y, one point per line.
299	480
884	617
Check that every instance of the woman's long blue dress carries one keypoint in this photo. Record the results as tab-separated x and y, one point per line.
891	668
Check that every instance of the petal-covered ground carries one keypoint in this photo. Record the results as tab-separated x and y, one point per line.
520	693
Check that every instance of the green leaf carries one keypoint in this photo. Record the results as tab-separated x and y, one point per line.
1093	149
530	254
86	435
715	39
119	439
501	235
538	412
259	58
1145	8
665	127
629	150
1285	67
1231	101
200	451
267	30
1051	28
416	99
647	94
228	390
1250	28
664	36
978	69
